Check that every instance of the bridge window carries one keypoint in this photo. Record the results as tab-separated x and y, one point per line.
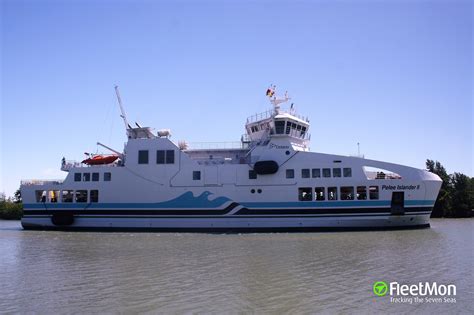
332	193
336	172
169	156
143	157
87	177
361	193
305	173
196	175
290	173
95	177
288	127
347	171
107	176
77	177
252	174
67	195
316	172
319	192
81	195
305	194
303	131
279	127
326	172
94	195
374	192
347	193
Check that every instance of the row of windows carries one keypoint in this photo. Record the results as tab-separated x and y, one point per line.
66	196
333	193
162	157
292	127
313	173
86	177
316	172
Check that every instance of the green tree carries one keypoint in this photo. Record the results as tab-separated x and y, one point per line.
461	203
442	205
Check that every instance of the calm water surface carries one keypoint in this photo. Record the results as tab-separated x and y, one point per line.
50	272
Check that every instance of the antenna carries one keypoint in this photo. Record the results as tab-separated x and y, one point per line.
123	115
358	149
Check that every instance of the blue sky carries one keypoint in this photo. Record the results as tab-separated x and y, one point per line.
395	76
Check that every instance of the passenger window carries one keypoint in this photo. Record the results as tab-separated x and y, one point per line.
81	195
316	172
347	172
107	177
53	196
347	193
143	157
326	172
361	193
160	157
87	177
94	195
290	173
336	172
196	175
374	192
40	195
319	191
77	177
169	156
332	193
95	177
305	173
252	174
68	195
305	194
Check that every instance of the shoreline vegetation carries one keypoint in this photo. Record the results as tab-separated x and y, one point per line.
455	198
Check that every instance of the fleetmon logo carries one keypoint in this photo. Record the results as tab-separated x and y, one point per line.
380	288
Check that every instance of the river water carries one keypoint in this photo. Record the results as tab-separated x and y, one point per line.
78	272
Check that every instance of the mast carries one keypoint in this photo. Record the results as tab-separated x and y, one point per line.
108	148
123	115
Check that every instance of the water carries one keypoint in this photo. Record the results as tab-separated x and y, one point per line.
51	272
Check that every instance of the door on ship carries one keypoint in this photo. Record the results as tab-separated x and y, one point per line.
210	176
398	203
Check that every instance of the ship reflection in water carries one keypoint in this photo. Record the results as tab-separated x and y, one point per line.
67	272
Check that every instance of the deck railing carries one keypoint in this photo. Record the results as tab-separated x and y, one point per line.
31	182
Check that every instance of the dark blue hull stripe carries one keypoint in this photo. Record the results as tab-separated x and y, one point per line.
241	212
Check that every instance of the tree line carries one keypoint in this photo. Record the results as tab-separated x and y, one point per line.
455	198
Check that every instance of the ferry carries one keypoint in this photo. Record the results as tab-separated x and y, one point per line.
268	181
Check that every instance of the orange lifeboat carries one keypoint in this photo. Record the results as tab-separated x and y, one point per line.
100	159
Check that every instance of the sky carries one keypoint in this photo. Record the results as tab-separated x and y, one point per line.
394	76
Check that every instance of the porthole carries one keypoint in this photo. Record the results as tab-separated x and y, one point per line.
252	191
287	152
259	191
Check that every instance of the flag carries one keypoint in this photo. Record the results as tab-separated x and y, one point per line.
271	91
